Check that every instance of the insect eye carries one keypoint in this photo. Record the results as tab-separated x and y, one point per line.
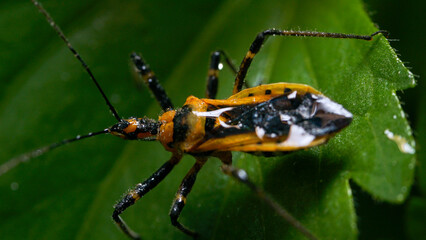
120	126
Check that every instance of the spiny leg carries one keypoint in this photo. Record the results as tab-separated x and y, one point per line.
183	191
213	73
139	191
242	176
263	36
152	82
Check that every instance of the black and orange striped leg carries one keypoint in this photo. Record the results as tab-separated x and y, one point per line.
180	198
213	73
152	82
263	36
242	176
139	191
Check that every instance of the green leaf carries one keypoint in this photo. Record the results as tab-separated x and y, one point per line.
69	193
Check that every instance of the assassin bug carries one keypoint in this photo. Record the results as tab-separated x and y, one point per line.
281	117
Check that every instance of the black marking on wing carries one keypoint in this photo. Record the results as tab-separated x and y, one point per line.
274	118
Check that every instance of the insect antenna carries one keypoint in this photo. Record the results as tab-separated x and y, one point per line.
70	47
5	167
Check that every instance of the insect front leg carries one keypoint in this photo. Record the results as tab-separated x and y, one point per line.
242	176
152	82
139	191
213	73
183	191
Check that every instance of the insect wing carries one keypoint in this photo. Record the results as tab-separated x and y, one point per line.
275	117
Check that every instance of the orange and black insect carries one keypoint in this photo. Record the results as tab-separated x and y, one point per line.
266	120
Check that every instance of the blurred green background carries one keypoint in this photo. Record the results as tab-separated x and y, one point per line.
69	193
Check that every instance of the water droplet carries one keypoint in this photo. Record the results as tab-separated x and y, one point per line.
411	165
14	186
349	192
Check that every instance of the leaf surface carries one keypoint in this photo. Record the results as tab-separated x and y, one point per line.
46	96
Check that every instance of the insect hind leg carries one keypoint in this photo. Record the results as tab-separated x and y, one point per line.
151	82
263	36
242	176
